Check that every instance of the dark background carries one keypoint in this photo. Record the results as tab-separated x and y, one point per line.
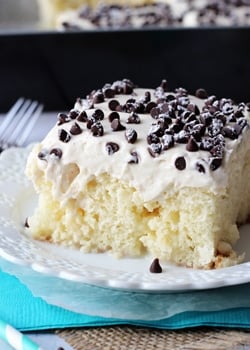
55	68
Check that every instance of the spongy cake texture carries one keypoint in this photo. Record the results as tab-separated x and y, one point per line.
179	197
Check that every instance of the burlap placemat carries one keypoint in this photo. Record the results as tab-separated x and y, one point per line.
138	338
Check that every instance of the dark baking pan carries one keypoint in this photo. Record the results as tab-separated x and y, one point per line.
55	68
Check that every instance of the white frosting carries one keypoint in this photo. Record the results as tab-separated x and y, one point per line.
151	176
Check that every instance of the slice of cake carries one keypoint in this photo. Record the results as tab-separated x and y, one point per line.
135	171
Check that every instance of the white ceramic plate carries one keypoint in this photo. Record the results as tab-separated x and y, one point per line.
17	199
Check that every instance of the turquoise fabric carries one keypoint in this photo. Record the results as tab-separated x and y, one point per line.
24	311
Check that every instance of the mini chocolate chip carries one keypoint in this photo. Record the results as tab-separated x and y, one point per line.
200	167
116	125
238	114
217	151
180	163
156	129
26	223
147	97
82	117
98	97
109	93
154	112
193	108
192	145
230	132
248	106
98	114
149	106
127	89
138	107
242	122
97	129
113	104
112	147
62	118
215	163
206	118
73	114
155	266
42	155
170	97
201	93
57	152
206	144
75	129
131	135
164	85
113	115
215	128
167	141
135	158
155	149
152	138
133	119
182	136
90	122
64	136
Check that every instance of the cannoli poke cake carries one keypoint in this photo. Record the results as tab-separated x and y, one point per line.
145	172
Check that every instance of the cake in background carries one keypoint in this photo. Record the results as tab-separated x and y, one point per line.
51	9
134	171
90	14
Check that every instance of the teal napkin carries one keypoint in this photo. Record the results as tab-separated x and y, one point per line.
24	311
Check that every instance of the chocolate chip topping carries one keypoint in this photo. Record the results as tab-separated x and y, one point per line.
97	129
155	149
133	119
26	223
201	93
192	145
64	136
175	121
42	155
62	118
180	163
134	158
113	115
75	129
56	152
116	125
82	117
131	135
112	147
155	266
113	104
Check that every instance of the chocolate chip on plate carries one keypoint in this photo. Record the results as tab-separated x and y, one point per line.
155	266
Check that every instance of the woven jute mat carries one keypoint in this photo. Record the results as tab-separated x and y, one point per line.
139	338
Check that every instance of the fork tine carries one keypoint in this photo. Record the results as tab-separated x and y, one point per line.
20	120
30	124
9	116
13	122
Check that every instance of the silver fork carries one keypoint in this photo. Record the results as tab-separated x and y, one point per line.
19	122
